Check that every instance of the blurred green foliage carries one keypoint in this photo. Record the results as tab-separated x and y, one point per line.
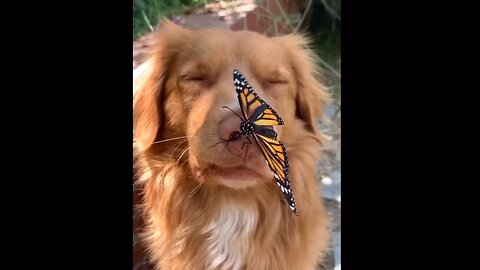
323	24
146	13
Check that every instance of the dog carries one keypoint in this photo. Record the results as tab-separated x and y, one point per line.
209	201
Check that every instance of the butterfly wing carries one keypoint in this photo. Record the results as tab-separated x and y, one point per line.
243	94
255	109
258	112
267	132
276	157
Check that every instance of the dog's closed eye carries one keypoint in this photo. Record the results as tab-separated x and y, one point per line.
274	83
277	81
195	81
193	78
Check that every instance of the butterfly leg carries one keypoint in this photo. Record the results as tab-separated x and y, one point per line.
249	142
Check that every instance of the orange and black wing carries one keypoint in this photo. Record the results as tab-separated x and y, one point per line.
276	157
257	111
254	109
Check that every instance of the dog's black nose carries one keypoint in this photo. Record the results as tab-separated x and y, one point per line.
234	135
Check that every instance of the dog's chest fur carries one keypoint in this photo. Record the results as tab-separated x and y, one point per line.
228	236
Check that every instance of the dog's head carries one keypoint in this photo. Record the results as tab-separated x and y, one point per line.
186	82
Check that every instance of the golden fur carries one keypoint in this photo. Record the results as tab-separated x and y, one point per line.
196	223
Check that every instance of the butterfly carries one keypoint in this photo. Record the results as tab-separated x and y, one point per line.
257	119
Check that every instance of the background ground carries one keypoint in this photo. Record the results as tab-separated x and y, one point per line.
322	22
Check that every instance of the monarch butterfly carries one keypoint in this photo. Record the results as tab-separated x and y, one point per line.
258	116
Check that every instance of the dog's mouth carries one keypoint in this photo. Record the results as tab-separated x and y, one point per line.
238	173
236	177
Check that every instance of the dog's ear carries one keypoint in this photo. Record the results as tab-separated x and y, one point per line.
311	94
147	116
149	84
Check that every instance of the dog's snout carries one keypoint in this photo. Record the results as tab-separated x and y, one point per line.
229	128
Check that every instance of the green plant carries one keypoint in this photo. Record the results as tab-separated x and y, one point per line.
146	13
324	25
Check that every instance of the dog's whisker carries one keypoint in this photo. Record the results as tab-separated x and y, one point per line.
194	190
177	145
180	143
181	53
183	163
181	155
172	139
300	141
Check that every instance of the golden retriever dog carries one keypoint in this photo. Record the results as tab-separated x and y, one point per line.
209	201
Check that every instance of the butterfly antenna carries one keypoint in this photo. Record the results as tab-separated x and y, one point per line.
225	107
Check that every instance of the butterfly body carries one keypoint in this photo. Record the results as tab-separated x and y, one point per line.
257	120
247	128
